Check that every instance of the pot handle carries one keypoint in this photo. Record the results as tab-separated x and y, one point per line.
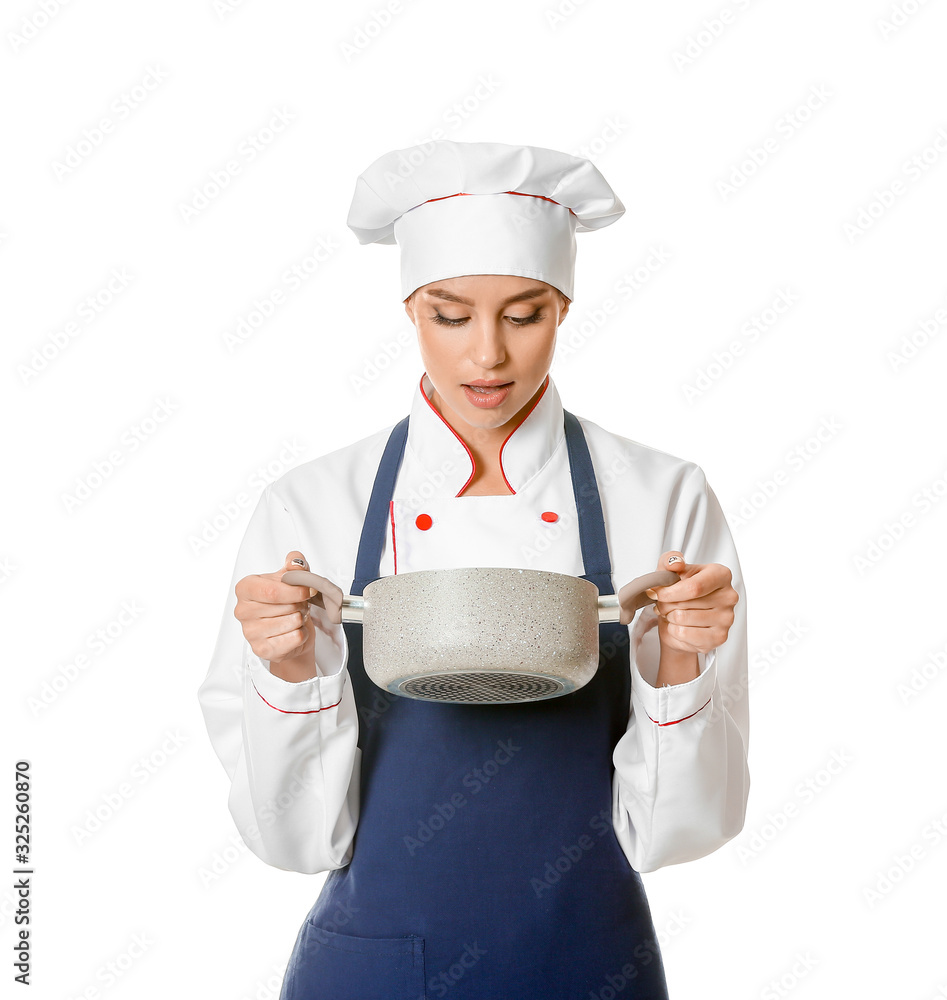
353	608
609	609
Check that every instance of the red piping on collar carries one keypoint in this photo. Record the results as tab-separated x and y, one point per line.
502	446
464	443
473	464
522	194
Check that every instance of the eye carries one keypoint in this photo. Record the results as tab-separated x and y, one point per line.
445	321
526	320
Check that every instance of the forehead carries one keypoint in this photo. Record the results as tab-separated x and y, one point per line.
471	289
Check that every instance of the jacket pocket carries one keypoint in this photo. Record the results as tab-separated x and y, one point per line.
326	965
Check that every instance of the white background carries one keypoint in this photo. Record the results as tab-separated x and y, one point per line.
820	437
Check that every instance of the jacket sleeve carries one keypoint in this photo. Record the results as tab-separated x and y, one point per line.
289	749
681	777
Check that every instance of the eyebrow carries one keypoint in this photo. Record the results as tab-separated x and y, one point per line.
442	293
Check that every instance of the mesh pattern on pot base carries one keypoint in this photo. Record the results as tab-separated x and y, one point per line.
481	688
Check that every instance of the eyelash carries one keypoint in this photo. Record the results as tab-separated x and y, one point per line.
525	321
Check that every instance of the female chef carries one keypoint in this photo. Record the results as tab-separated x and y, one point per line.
483	851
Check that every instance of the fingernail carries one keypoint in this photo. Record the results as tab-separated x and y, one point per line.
300	562
673	559
651	594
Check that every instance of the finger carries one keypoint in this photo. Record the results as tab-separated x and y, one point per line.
700	638
699	618
700	582
269	629
673	561
247	610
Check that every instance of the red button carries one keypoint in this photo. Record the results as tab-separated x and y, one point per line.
548	515
423	521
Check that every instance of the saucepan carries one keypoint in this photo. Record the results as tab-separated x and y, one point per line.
479	635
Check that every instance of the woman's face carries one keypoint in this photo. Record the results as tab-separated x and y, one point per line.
494	328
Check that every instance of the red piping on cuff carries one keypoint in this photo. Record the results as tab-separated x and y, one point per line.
311	711
676	721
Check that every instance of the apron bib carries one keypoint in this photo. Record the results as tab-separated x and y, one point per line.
484	865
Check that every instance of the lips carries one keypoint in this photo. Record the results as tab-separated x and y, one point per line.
487	392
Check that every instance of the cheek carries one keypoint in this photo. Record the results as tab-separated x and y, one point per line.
437	347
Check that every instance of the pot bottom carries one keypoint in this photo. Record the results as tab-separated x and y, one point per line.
482	687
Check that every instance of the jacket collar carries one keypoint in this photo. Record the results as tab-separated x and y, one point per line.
437	456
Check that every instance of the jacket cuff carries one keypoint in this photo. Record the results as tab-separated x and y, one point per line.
324	691
673	703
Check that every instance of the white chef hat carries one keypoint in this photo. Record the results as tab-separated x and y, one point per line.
459	208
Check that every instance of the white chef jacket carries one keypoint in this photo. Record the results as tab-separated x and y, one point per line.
290	749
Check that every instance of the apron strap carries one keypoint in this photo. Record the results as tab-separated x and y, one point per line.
374	527
598	568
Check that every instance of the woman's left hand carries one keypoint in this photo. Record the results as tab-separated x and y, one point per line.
694	614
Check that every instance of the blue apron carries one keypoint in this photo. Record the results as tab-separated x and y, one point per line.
485	865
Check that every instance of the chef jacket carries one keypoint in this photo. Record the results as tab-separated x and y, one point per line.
681	780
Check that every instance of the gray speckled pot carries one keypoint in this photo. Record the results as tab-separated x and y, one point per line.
482	635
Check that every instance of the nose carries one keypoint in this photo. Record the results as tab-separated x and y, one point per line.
487	346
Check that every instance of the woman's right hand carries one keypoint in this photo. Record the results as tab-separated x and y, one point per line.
276	618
